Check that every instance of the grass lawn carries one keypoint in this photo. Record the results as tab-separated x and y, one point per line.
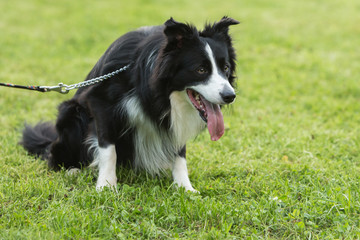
288	166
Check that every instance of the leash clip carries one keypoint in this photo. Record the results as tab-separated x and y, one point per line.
61	88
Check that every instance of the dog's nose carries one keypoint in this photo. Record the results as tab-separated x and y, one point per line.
228	96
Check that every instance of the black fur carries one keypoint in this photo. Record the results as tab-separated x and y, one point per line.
163	60
37	139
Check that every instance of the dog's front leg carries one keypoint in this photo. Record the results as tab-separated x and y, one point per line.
180	174
107	167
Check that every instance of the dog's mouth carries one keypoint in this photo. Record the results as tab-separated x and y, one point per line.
209	112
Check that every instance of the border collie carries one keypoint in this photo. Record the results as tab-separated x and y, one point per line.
178	80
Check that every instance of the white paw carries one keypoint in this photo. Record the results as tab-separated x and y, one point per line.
102	183
191	189
73	171
188	188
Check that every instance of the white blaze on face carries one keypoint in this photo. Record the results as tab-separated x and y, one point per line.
216	83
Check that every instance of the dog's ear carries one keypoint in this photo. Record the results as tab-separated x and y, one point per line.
219	27
224	23
177	33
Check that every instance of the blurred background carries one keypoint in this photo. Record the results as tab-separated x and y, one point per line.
293	131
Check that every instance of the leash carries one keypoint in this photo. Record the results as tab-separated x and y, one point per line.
63	88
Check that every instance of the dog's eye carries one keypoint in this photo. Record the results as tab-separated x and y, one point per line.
201	70
226	68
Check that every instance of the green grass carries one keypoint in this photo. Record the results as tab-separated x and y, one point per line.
287	167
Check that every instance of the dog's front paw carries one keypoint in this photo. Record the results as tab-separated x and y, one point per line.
102	183
191	189
188	188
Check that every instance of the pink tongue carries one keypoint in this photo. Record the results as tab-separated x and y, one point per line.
215	121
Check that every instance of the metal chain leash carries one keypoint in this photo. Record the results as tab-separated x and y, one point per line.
63	88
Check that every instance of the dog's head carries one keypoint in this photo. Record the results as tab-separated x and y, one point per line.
201	63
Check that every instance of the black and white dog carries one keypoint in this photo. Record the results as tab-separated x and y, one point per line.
177	81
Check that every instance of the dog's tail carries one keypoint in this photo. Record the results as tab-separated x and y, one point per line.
37	139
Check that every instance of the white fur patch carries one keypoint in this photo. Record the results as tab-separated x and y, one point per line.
154	148
185	120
